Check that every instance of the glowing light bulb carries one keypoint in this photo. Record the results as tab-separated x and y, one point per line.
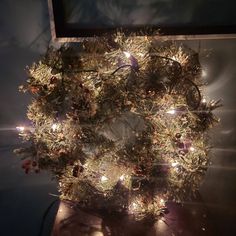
162	201
122	177
192	149
172	112
20	128
104	178
134	205
174	164
127	54
54	127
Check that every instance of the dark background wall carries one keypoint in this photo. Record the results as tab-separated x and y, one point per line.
24	36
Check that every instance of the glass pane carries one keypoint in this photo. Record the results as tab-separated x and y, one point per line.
111	13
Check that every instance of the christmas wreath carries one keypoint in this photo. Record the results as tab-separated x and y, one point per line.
121	122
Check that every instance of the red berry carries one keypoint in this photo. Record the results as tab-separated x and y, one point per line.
27	162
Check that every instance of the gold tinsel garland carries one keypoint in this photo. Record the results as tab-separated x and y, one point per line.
83	99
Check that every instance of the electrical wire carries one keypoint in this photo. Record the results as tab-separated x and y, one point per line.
45	216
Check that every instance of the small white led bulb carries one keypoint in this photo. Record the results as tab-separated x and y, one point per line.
172	112
127	54
104	178
20	128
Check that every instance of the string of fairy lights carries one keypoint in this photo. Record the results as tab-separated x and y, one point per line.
122	125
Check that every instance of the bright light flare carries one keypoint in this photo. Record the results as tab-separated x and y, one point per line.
122	177
55	127
127	54
162	201
172	112
104	178
20	128
134	205
174	164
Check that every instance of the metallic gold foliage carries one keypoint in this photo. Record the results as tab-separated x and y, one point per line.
121	122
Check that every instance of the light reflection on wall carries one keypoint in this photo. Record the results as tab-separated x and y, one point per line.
62	212
160	226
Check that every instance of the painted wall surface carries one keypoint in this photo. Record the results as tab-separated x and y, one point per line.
24	36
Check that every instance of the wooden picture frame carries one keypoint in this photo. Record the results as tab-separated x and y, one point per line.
62	33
